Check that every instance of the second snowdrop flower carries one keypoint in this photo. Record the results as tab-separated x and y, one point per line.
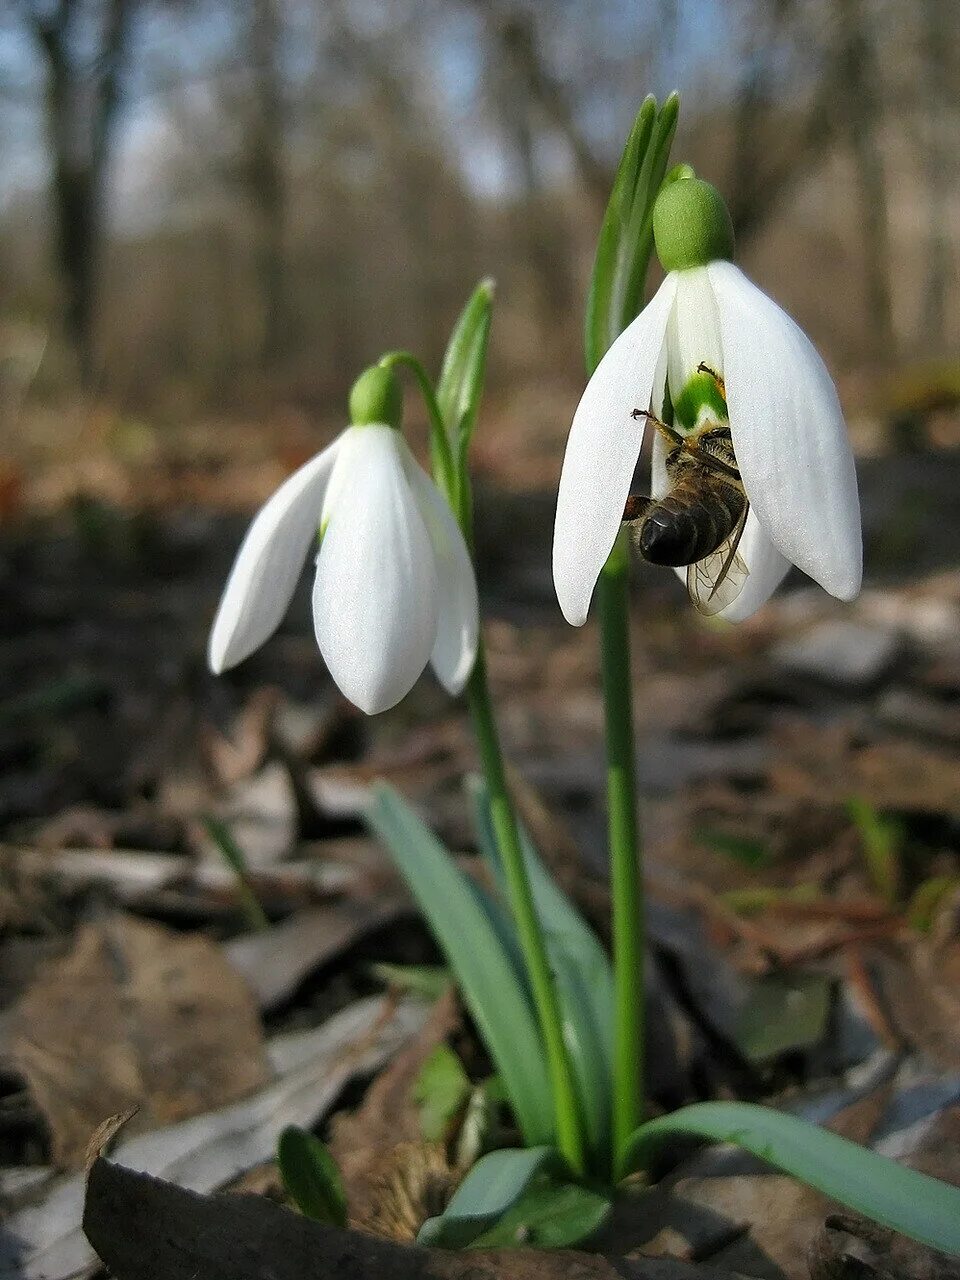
752	468
394	586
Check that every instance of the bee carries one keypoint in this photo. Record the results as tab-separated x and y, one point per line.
700	519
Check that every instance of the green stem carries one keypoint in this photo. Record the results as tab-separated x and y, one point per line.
625	874
529	931
569	1129
441	454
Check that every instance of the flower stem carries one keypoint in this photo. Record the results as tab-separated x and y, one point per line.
441	455
529	930
625	872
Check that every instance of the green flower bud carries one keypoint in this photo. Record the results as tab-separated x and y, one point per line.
691	225
376	398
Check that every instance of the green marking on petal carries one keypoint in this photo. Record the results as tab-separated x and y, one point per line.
701	393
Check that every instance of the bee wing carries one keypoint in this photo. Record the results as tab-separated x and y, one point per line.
717	579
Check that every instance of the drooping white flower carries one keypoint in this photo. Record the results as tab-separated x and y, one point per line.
394	586
784	415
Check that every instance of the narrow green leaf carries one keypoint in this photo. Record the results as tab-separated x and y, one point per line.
493	1185
918	1206
783	1012
232	854
487	974
549	1215
460	385
582	969
311	1176
440	1092
882	841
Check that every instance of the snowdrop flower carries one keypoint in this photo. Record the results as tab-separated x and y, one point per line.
394	584
710	347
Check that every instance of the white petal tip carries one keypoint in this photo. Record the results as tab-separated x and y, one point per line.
219	658
456	681
576	617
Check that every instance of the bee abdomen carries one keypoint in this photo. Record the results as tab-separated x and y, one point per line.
683	528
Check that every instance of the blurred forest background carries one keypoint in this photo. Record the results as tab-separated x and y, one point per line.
229	209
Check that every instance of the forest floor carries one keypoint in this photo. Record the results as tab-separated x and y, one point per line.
802	854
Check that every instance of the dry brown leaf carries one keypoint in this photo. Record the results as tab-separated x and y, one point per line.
849	1247
392	1177
135	1016
102	1137
243	752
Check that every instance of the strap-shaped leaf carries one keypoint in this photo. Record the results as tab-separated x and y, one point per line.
492	987
918	1206
582	970
549	1215
492	1187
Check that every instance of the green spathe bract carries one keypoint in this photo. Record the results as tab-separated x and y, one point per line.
691	225
376	398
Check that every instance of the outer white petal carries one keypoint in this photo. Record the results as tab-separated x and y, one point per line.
789	435
767	566
602	451
693	334
269	563
458	620
375	595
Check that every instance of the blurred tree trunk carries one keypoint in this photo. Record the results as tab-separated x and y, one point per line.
861	112
522	90
81	108
936	19
265	175
770	152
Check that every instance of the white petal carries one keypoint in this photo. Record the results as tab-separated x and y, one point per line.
458	620
767	566
659	483
269	563
693	334
789	435
602	451
375	595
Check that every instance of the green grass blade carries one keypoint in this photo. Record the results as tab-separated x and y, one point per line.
492	1187
918	1206
583	973
485	972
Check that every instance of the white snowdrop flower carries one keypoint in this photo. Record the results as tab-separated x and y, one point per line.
394	586
750	405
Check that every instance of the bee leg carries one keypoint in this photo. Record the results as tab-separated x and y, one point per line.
721	385
672	437
635	506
